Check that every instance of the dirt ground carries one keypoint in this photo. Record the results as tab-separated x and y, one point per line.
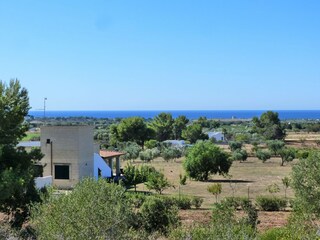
267	219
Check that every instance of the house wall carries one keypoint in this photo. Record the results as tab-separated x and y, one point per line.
216	135
67	145
99	163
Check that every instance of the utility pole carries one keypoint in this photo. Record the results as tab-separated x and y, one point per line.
44	107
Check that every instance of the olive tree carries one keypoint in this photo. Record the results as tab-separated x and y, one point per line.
263	155
205	158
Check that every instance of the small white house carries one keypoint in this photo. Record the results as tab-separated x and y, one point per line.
218	136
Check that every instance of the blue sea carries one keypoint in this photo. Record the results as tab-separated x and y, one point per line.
191	114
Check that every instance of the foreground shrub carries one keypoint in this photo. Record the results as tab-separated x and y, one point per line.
197	201
237	202
93	210
271	203
183	202
158	214
274	233
136	199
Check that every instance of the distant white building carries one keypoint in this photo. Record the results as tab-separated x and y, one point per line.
218	136
176	143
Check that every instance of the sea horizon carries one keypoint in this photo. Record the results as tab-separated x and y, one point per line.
191	114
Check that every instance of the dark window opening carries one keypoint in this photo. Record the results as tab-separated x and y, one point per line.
61	172
99	172
48	141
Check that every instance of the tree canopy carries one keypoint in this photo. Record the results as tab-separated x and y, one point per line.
131	129
162	124
205	158
180	124
14	106
193	133
17	167
269	126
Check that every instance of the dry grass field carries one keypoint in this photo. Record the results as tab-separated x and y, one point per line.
251	177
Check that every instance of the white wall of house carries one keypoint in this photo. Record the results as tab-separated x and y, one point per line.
41	182
218	136
100	164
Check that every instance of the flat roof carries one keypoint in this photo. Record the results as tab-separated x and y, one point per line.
29	144
110	154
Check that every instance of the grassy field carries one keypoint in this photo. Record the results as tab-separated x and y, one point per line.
31	136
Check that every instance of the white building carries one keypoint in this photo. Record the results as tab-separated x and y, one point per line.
176	143
218	136
70	156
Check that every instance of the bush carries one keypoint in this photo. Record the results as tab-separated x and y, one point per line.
98	209
136	199
183	202
151	143
149	154
271	203
196	201
157	214
171	153
237	202
273	233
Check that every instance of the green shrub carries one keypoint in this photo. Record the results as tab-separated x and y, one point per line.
237	202
196	202
98	209
271	203
136	199
273	234
151	143
183	202
158	214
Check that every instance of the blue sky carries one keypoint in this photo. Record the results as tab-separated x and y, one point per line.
163	54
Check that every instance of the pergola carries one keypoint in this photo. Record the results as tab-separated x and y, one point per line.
108	156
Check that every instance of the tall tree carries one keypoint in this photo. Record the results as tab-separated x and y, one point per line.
163	126
180	124
132	129
269	126
193	133
14	106
17	167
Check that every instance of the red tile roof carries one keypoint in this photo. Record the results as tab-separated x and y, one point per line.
110	154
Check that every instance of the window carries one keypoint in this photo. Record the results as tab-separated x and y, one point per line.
61	172
48	141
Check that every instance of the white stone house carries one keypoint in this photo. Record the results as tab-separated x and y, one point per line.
218	136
